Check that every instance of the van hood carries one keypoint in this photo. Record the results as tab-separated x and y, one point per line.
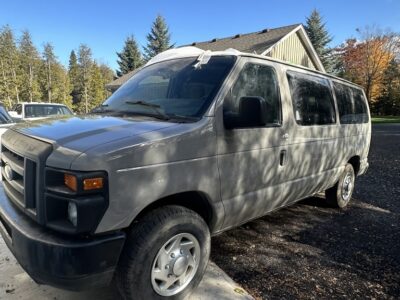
84	132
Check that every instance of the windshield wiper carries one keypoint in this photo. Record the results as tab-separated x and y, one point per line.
101	109
154	107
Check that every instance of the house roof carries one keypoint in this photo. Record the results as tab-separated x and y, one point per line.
115	84
255	42
259	42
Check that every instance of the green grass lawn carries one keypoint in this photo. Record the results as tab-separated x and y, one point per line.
386	119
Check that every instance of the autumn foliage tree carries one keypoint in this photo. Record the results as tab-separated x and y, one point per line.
365	61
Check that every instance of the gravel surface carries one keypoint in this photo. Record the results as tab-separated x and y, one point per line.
313	251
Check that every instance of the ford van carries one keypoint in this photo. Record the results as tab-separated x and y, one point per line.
195	143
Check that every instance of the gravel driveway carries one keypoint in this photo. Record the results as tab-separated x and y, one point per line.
312	251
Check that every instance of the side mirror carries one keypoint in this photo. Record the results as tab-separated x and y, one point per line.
252	113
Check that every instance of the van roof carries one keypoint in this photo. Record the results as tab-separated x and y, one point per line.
191	51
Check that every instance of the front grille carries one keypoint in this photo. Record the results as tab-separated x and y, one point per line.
18	174
22	164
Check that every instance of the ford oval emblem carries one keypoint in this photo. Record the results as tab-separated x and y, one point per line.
8	172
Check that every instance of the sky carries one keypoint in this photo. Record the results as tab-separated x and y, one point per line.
104	25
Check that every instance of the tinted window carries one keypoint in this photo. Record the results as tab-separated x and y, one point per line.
312	99
175	87
257	81
351	104
35	111
360	106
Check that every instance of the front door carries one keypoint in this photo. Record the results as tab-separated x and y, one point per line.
251	160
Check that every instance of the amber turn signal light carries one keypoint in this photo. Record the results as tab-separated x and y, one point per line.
92	184
71	182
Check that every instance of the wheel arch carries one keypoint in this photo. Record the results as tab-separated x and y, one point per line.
355	161
197	201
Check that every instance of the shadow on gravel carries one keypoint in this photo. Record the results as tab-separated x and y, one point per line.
311	250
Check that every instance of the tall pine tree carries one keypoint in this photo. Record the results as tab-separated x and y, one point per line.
29	64
49	60
73	75
130	57
320	38
85	62
158	40
9	71
54	78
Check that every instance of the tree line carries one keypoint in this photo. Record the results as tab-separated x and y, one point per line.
371	60
27	74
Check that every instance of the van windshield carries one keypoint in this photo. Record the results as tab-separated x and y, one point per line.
181	88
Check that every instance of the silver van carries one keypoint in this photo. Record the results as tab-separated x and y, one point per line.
193	144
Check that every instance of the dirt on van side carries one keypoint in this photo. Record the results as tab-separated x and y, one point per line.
312	251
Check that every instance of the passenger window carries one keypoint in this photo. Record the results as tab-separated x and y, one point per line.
351	104
256	81
312	99
360	106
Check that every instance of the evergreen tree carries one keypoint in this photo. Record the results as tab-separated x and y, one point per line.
320	38
85	62
9	61
96	87
108	75
29	65
54	78
49	61
73	77
389	101
130	57
158	40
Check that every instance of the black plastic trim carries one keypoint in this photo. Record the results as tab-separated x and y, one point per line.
74	263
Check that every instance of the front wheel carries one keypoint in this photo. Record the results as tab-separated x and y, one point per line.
165	255
340	194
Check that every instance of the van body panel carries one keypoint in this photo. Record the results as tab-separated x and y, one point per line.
155	165
142	156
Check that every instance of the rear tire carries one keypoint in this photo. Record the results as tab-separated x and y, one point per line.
165	255
340	194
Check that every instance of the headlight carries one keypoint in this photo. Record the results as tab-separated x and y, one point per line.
75	201
72	213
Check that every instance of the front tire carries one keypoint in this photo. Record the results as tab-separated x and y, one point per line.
165	255
340	194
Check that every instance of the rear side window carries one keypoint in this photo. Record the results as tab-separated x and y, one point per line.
312	99
351	104
256	81
360	106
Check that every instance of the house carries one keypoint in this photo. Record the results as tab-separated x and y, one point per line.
288	43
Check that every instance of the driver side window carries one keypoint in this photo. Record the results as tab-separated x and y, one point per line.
256	81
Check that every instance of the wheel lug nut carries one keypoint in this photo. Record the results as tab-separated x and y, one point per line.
167	267
173	255
181	251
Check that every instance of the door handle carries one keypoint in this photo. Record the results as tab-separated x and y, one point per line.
282	158
285	136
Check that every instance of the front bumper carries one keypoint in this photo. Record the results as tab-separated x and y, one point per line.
67	262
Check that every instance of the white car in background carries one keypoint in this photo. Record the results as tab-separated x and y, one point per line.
5	120
36	110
